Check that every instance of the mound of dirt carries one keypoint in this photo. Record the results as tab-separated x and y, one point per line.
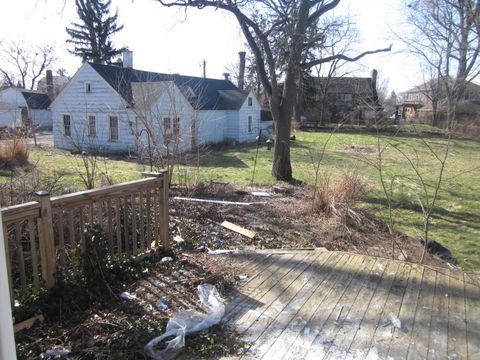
282	220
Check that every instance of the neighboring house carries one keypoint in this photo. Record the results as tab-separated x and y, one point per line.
20	107
335	99
421	102
52	83
112	109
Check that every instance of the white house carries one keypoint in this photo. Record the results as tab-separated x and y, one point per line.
113	108
20	107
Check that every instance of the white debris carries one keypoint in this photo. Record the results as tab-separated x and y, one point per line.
127	296
58	352
166	260
178	239
395	320
187	322
218	252
260	193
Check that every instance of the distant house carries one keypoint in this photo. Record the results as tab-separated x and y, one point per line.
346	99
21	107
114	108
419	103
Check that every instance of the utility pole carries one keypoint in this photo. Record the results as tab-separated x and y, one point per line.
204	68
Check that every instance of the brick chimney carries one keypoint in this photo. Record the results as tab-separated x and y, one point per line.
241	70
374	85
226	76
50	88
127	57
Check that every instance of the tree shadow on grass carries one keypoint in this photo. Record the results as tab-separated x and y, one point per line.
216	160
439	213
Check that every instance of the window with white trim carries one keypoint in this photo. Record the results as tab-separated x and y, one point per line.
113	120
250	123
92	126
250	101
67	125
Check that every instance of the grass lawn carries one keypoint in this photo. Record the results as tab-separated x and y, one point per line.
456	219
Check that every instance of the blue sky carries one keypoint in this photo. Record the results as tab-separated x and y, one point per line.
165	40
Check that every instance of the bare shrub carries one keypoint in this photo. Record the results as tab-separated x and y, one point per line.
350	189
338	196
13	153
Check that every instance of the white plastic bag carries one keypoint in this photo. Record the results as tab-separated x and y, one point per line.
187	322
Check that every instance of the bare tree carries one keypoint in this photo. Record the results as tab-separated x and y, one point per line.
446	38
276	32
166	122
23	64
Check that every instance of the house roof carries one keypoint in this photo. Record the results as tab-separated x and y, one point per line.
427	86
354	85
232	99
36	100
202	93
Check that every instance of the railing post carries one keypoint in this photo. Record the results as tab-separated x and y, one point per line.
164	187
46	240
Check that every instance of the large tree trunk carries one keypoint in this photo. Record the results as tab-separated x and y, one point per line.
282	168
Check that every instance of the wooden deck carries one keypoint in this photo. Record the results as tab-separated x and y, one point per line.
335	305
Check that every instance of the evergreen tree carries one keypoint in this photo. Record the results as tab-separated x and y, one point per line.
91	35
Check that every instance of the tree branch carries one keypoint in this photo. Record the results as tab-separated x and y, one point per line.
344	57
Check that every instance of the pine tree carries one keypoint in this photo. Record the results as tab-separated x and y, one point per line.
91	36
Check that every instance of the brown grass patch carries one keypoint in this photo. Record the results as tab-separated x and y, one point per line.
331	196
13	153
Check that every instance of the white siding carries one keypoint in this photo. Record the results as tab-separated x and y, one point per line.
172	104
231	131
11	102
211	126
245	111
41	118
102	101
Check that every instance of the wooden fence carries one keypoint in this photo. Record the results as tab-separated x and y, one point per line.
41	236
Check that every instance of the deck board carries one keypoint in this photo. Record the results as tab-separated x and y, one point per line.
289	306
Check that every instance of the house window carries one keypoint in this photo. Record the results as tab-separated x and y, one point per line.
176	127
92	126
167	126
250	101
67	125
249	123
88	87
113	128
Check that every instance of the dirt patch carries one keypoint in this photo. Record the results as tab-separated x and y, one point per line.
362	149
283	220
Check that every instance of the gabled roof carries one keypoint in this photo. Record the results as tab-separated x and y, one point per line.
202	93
36	100
232	99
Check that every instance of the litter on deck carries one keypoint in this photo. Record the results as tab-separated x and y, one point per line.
218	252
222	202
248	233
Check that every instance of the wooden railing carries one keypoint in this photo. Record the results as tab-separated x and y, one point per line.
41	236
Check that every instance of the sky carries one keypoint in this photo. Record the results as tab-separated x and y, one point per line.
168	40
